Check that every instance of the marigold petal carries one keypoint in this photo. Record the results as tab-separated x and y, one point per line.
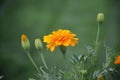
47	39
74	41
66	43
52	49
24	37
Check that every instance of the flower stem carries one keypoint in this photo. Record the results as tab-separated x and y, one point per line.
98	34
43	60
29	56
96	45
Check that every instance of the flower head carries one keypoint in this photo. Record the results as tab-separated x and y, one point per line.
60	38
117	61
25	42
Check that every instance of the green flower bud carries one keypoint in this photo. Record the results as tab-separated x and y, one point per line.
38	44
25	42
100	18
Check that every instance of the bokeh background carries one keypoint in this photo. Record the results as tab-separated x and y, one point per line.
37	18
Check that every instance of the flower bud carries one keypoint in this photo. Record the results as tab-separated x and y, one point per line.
100	18
100	77
25	42
38	44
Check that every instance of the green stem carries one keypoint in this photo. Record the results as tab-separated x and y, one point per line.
82	76
106	56
43	60
97	41
98	34
29	56
96	45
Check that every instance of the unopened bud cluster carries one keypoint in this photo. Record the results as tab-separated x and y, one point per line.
26	43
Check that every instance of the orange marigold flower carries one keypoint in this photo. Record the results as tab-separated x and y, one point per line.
117	61
60	38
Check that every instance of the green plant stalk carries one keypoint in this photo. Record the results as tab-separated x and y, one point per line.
106	57
29	56
92	65
43	60
96	45
98	34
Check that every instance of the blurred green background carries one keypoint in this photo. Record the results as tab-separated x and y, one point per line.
37	18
